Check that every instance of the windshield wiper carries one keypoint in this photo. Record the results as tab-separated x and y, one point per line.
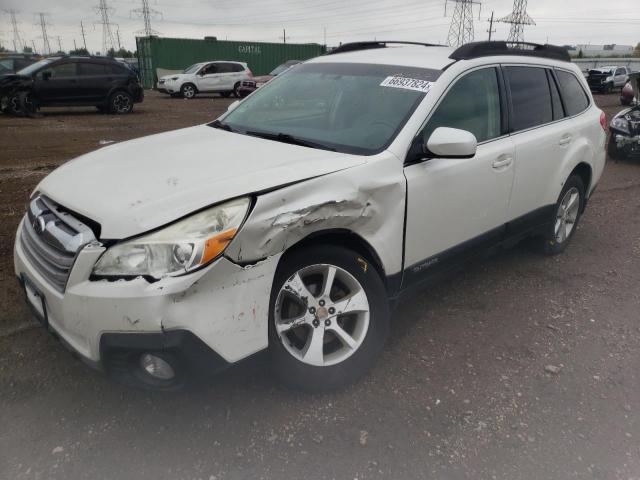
287	138
221	126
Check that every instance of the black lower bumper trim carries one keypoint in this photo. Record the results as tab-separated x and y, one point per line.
189	356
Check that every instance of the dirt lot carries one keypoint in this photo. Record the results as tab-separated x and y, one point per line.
460	392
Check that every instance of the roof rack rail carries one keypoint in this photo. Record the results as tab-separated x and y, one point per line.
354	46
486	49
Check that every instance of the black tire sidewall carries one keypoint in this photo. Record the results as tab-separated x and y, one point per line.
310	378
551	247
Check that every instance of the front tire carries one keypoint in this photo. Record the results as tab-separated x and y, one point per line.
188	90
566	215
328	318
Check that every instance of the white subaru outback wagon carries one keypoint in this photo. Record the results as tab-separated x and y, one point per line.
295	220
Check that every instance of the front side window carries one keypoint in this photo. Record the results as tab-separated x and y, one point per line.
210	69
62	70
472	104
340	106
574	96
530	97
36	66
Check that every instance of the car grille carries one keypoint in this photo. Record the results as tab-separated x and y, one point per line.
51	238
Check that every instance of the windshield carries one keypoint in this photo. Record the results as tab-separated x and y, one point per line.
192	68
36	66
352	108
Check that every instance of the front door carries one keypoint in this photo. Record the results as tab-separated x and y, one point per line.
209	78
58	83
456	205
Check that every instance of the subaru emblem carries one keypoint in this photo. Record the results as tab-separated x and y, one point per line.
39	225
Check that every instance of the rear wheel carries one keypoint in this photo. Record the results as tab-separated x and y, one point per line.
120	103
236	90
607	88
188	90
565	218
328	318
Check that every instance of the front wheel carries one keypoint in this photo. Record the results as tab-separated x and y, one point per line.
120	103
328	318
566	215
188	90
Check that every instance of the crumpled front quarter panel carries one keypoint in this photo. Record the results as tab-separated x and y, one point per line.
368	200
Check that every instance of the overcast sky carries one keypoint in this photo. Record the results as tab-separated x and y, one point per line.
558	21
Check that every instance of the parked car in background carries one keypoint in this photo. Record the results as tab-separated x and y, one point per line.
13	63
71	81
297	219
606	79
624	140
224	77
249	86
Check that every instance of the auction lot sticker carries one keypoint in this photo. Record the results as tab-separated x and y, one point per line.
398	81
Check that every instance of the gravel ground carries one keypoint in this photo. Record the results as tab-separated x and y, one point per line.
518	367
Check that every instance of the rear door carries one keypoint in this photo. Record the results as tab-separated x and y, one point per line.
542	138
228	75
58	83
94	81
620	77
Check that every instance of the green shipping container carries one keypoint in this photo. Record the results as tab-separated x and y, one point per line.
179	53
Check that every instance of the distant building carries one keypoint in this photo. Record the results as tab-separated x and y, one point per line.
611	50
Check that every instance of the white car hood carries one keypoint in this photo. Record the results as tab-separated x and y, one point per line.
136	186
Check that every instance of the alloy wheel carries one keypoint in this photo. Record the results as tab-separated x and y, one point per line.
121	103
567	215
322	315
188	91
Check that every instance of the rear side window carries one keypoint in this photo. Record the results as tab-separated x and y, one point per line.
226	68
91	69
574	96
472	104
236	67
116	69
530	97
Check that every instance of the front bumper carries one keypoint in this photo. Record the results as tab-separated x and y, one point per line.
223	309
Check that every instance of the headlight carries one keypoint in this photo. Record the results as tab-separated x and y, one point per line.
178	248
608	79
620	124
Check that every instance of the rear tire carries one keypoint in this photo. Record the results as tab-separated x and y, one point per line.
120	103
566	215
338	330
236	90
607	88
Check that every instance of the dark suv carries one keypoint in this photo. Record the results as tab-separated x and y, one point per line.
71	81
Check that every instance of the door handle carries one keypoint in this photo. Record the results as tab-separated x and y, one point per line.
502	161
565	140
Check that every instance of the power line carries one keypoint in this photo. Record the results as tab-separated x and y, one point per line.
146	13
42	23
461	29
518	18
107	34
18	44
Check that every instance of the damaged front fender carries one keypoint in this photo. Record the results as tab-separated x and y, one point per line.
367	200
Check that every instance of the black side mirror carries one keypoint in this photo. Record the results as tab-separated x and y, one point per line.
417	151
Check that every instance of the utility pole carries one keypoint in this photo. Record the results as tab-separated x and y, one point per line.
107	34
146	13
18	44
284	36
491	30
75	47
461	28
118	37
59	44
518	19
33	42
84	39
42	22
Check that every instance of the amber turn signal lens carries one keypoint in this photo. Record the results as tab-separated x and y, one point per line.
216	244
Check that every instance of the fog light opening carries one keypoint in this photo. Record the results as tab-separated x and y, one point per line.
156	367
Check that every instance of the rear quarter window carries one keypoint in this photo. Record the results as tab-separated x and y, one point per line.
574	97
